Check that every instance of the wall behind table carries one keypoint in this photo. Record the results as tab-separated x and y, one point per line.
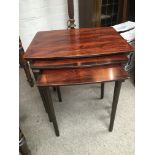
43	15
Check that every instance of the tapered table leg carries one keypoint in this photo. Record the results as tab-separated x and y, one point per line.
114	104
28	74
45	102
54	88
36	74
102	90
51	108
59	93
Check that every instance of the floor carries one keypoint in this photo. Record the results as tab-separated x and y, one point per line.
83	120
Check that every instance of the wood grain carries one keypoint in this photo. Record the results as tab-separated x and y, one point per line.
84	42
79	62
59	77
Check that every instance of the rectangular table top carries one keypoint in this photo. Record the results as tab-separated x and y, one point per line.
62	77
75	43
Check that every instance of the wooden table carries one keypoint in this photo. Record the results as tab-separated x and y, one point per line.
79	76
87	55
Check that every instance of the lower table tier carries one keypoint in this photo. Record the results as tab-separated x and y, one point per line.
73	76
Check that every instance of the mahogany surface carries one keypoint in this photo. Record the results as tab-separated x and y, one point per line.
83	42
79	62
59	77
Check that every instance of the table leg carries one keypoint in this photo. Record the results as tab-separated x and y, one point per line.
45	102
115	102
59	93
51	108
36	74
102	90
54	88
28	74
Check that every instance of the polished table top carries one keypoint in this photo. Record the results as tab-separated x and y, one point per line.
62	77
76	43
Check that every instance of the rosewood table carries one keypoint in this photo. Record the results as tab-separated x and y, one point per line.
77	56
77	76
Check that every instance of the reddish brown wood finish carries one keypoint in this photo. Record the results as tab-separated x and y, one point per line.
75	76
84	42
79	62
